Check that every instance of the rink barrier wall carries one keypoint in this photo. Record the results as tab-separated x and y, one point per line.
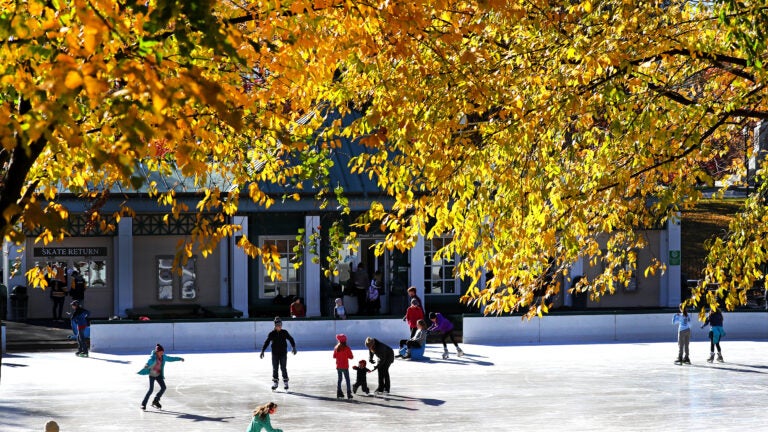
2	337
619	327
238	334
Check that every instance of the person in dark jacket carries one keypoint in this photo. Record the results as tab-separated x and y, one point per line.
80	321
77	288
716	332
386	357
362	378
279	339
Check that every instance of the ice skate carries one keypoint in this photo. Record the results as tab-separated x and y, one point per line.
711	358
686	360
720	358
84	354
349	395
339	394
445	354
156	404
274	385
285	385
459	352
143	407
678	361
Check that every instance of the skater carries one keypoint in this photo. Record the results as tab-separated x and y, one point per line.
342	353
279	339
80	321
412	316
441	324
418	340
412	295
155	368
338	311
683	322
260	420
386	358
361	380
716	332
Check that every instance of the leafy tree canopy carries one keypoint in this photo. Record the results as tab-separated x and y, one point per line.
520	128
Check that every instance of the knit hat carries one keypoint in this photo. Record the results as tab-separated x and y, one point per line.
432	315
159	347
278	321
342	338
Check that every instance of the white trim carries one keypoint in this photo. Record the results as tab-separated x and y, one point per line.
311	282
239	270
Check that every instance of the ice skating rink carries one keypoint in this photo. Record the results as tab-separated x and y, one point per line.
610	387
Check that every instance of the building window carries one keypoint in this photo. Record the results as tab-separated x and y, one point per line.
438	272
168	279
289	283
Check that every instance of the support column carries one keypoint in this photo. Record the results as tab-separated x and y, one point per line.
672	258
123	264
238	268
311	269
416	276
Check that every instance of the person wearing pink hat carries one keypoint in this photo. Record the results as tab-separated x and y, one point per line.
343	354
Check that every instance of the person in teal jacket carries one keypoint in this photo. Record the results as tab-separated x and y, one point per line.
155	368
261	420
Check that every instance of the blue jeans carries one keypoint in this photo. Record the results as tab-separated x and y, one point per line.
82	346
161	383
343	373
279	360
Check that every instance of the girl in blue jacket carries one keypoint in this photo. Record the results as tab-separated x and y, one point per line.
155	368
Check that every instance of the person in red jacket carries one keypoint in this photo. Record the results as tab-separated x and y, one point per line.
343	354
412	315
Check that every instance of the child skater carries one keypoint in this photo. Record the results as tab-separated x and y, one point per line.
338	310
386	358
716	332
155	368
342	353
361	380
441	324
418	340
261	420
683	322
412	316
279	339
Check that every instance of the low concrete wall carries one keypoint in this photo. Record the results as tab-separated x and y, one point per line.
603	328
237	335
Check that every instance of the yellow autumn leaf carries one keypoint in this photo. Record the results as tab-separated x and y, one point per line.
73	80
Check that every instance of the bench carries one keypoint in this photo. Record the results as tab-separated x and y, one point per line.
171	311
221	312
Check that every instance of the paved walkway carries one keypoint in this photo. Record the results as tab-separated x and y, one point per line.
620	387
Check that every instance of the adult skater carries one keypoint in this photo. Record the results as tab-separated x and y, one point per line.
386	358
80	322
441	324
279	339
155	368
716	332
